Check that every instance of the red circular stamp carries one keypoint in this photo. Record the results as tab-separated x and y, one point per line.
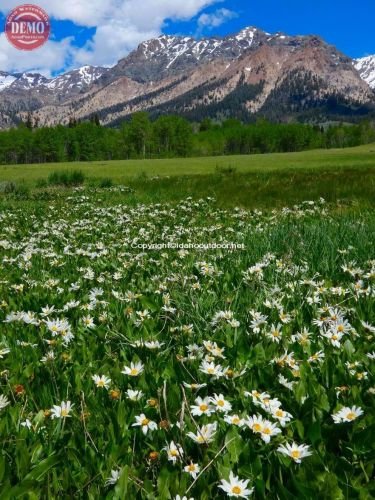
27	27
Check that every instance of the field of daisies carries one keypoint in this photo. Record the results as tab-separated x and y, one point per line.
241	367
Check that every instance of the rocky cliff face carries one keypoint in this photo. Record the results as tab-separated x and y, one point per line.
248	74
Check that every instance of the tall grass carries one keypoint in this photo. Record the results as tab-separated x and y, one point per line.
66	178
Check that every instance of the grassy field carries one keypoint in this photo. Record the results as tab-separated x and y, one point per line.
120	171
250	181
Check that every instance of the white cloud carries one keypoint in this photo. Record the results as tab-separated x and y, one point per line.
81	12
215	19
120	26
111	42
51	57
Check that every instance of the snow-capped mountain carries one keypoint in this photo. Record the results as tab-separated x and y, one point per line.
66	84
251	73
366	68
24	92
27	81
166	55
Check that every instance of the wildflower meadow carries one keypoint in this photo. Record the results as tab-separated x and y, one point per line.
181	350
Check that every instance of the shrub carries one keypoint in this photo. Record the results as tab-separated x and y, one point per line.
14	190
41	183
66	178
7	187
106	182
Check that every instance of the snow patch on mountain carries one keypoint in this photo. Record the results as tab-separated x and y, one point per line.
79	79
172	48
6	80
366	68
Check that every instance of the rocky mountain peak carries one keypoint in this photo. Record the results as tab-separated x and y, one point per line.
70	82
246	73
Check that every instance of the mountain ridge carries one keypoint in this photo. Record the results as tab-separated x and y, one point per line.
88	74
181	74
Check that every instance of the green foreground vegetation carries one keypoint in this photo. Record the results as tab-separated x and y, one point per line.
140	373
132	369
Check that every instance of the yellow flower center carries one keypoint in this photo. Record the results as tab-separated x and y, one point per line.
203	407
267	430
211	371
173	453
235	420
134	371
257	427
351	415
100	383
220	403
145	421
64	412
236	490
334	337
340	328
279	413
191	468
295	454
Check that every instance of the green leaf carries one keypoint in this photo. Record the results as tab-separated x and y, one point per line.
349	348
163	483
234	445
40	470
2	467
300	429
121	489
314	432
36	452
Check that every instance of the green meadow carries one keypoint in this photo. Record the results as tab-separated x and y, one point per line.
257	180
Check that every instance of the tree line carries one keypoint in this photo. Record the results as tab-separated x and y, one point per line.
170	136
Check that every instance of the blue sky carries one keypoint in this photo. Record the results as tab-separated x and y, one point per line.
348	24
100	32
